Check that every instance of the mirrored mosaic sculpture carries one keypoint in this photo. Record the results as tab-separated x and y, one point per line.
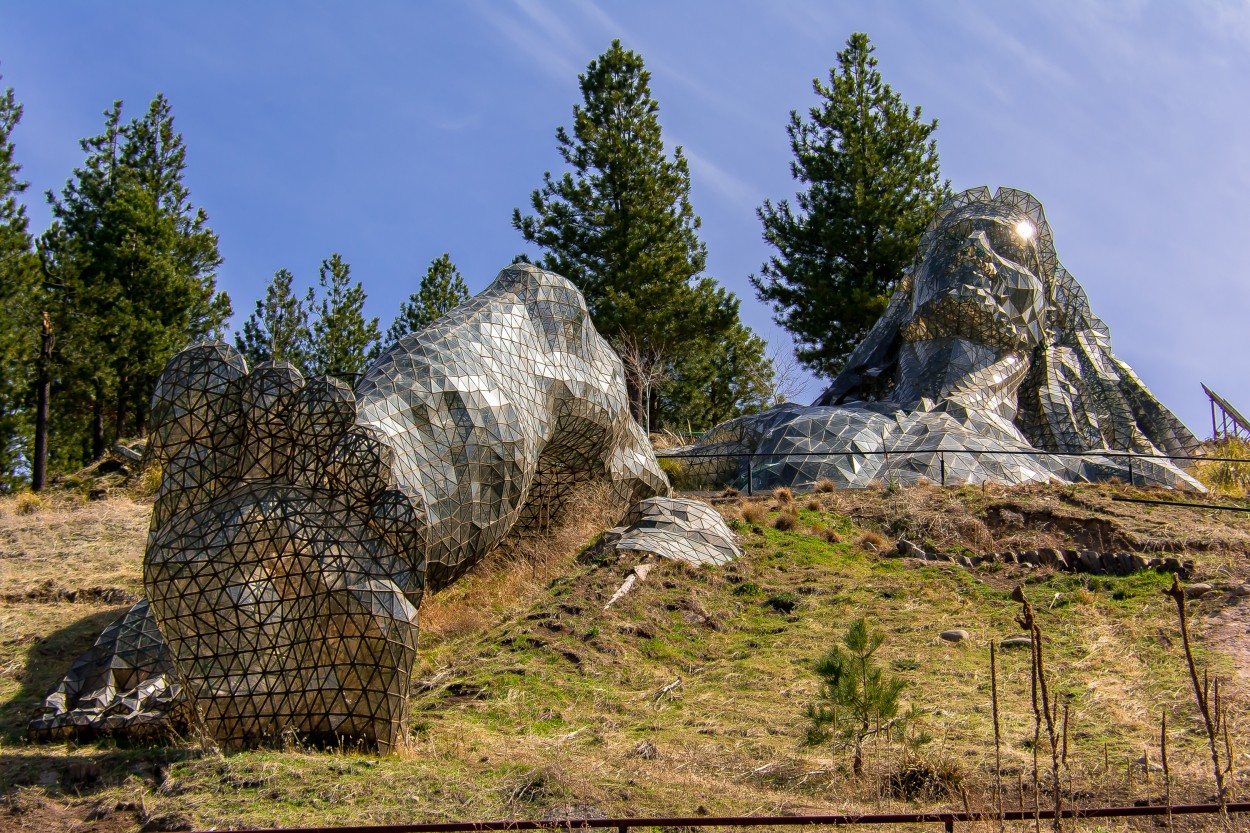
987	365
125	684
298	524
674	528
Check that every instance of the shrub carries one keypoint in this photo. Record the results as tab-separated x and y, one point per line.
783	496
1231	479
825	485
830	535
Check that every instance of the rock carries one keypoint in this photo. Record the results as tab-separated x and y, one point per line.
1155	563
127	454
1090	561
1241	590
1048	557
1171	565
1139	563
1062	562
1110	564
1009	557
955	636
1197	591
1016	642
1030	557
964	561
906	549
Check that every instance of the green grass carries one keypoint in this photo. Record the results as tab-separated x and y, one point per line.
689	692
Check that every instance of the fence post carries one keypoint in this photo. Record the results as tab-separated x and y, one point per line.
950	826
942	459
1131	480
750	475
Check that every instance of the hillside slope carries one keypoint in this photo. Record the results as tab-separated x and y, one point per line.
686	696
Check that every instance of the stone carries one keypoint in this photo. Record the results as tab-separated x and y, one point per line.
1048	557
1110	564
1009	557
1016	642
958	635
1197	591
965	562
1090	561
1241	590
1030	557
906	549
1137	562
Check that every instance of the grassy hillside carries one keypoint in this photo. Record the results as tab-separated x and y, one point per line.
687	696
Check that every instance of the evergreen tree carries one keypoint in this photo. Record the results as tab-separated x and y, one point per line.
131	269
20	315
442	289
278	329
871	184
621	227
342	341
857	699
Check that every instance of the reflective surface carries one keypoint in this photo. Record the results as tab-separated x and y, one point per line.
987	347
298	524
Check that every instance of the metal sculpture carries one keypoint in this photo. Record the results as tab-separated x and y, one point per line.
676	529
298	524
987	365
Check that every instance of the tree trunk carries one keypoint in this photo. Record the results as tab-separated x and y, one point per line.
97	424
39	466
120	423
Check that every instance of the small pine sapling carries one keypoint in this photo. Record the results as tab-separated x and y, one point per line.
857	699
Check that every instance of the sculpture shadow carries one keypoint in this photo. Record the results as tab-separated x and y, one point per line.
109	760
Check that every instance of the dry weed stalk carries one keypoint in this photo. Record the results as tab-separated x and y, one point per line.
998	761
1201	694
1045	709
1167	773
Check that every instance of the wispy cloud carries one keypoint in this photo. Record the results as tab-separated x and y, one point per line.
738	192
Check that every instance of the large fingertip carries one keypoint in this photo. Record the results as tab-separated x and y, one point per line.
361	463
196	398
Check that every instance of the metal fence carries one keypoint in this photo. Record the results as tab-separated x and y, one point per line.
948	820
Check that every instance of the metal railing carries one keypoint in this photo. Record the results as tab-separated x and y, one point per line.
752	456
623	825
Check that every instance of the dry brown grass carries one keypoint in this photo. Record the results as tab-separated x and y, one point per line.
783	497
511	577
873	541
754	512
825	485
786	520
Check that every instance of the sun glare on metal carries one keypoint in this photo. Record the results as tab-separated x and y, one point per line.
1025	230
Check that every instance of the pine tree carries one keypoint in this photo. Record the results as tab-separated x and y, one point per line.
342	341
857	699
131	268
20	315
620	225
278	329
441	290
871	184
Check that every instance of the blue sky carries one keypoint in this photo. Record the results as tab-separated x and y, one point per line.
392	132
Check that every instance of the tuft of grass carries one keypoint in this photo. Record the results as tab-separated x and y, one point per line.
873	541
787	520
28	503
755	513
825	485
783	497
